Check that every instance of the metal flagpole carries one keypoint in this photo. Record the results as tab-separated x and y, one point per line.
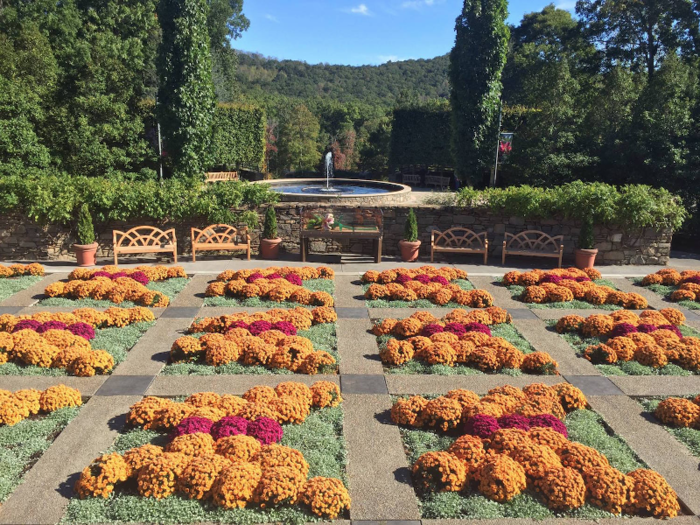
498	147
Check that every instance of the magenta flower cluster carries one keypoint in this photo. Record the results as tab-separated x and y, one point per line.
292	278
431	329
695	279
285	327
402	278
258	327
456	328
551	278
139	277
672	328
83	330
483	426
478	327
264	429
623	329
646	328
229	426
423	279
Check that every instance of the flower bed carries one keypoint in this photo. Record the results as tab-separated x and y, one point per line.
679	287
18	277
480	341
422	287
270	287
622	342
532	453
680	416
278	341
270	455
153	286
569	288
43	416
85	342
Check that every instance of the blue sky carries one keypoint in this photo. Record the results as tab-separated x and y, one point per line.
359	32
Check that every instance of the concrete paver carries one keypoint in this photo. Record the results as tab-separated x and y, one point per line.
358	349
170	386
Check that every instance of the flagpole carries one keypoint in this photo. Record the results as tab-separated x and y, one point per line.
498	147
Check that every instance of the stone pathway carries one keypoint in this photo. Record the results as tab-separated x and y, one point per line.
378	470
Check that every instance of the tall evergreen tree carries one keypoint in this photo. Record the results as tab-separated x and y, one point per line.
476	64
185	94
297	139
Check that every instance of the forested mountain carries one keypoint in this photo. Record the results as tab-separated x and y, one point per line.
423	79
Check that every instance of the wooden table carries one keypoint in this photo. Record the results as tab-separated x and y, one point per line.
346	233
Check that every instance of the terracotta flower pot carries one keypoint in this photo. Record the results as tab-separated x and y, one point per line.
85	253
270	248
409	250
585	258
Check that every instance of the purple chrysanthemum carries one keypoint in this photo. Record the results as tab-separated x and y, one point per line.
254	277
673	329
27	324
549	421
51	325
402	278
583	279
83	330
101	274
551	278
423	279
239	324
192	425
140	278
514	421
274	276
431	329
623	329
258	327
440	280
294	279
695	279
478	327
646	328
455	328
481	426
117	275
285	327
265	430
229	426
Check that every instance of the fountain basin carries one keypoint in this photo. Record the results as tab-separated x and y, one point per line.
348	191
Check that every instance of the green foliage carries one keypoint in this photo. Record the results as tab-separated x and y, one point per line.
185	94
238	137
421	135
631	206
586	239
270	224
476	64
86	231
298	135
9	287
410	231
50	199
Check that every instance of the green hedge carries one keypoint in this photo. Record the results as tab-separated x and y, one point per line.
633	206
421	135
239	137
52	199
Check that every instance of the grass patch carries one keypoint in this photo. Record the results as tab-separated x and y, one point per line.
313	285
625	368
517	290
464	284
23	444
584	426
690	437
116	341
323	337
11	286
665	291
503	330
319	438
169	287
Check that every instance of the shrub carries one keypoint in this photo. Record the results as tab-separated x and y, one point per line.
586	240
86	231
410	233
270	224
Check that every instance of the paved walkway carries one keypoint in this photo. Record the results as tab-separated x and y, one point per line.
378	470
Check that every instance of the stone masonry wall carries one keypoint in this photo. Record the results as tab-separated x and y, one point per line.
21	239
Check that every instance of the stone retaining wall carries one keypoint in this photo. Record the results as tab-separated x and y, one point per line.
21	239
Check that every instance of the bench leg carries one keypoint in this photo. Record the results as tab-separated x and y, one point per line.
248	251
303	250
486	257
503	259
194	258
432	254
175	255
116	261
379	250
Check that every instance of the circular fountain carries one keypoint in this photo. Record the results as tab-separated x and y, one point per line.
330	189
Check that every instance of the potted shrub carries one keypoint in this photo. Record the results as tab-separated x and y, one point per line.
410	245
270	243
86	248
585	253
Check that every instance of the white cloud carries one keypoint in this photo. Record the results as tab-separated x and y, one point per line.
567	5
417	4
272	19
361	9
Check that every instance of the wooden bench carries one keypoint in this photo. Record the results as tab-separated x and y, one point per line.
144	239
533	243
222	176
459	240
441	181
220	237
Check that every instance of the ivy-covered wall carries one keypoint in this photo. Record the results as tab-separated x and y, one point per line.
238	137
421	135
